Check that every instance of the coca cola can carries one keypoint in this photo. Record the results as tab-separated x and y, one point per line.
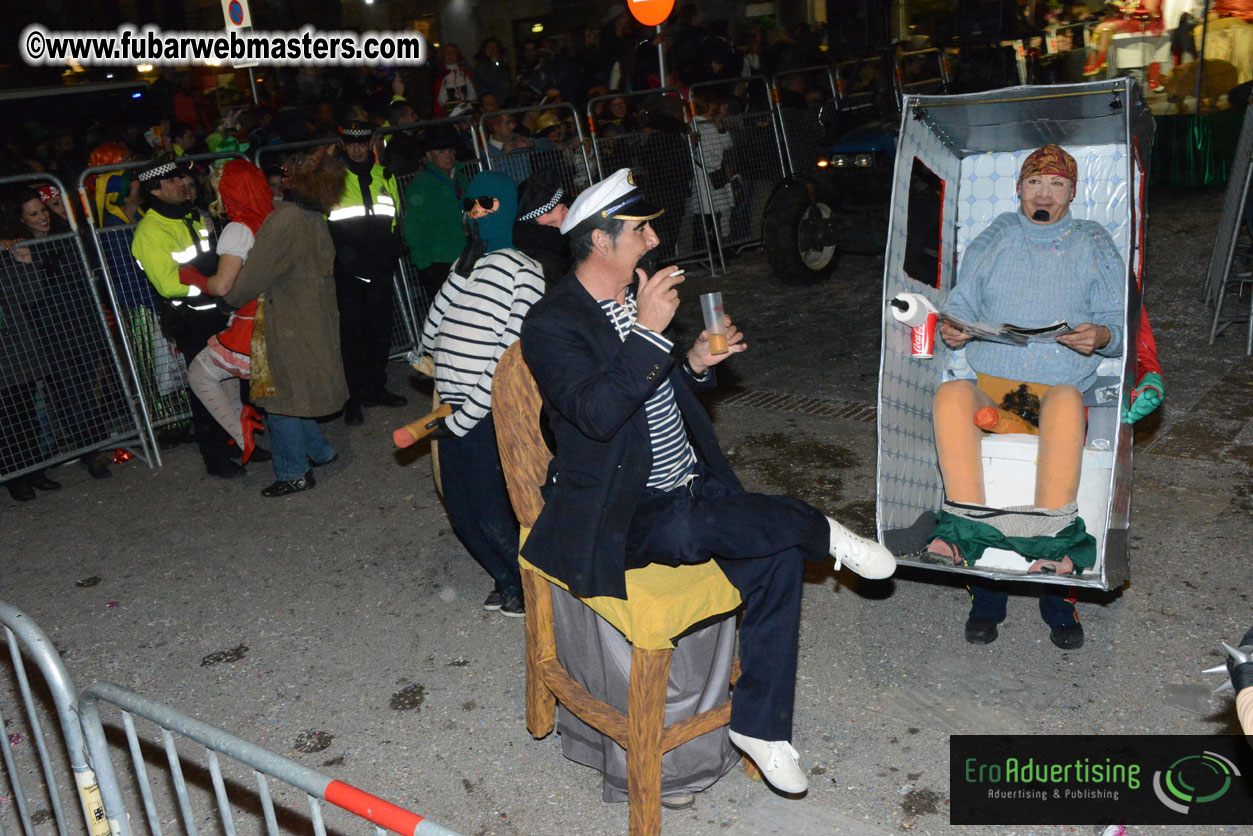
923	342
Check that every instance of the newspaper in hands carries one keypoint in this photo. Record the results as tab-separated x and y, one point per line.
1008	334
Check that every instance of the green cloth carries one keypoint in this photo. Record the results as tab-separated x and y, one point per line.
972	538
433	227
1192	150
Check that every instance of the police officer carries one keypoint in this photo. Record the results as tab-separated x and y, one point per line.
363	227
171	236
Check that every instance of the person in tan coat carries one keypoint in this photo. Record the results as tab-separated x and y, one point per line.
297	373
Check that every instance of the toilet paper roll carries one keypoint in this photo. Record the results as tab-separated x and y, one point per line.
911	309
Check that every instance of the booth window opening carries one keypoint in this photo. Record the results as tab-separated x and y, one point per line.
924	233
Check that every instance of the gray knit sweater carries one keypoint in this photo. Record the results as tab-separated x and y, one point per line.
1028	274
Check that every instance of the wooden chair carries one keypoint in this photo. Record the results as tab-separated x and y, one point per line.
641	731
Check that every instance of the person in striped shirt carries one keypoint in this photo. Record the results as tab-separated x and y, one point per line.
638	476
476	315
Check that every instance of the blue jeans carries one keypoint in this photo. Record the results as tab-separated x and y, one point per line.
988	601
295	442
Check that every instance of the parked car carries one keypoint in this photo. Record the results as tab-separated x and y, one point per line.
837	201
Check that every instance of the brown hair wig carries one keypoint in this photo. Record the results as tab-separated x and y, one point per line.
322	185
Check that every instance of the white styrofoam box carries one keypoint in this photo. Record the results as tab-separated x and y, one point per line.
1009	462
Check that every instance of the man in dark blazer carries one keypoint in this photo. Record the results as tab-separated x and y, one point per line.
638	476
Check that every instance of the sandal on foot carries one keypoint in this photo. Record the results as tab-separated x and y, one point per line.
1065	566
941	553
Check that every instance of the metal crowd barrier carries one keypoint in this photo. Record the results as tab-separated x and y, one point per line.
64	390
573	167
754	161
1051	38
862	85
1227	279
266	767
797	109
656	143
157	367
90	758
921	72
42	761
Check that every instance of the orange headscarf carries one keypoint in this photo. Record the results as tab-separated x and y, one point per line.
1050	159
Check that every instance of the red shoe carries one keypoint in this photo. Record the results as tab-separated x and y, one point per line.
1155	78
249	422
1097	63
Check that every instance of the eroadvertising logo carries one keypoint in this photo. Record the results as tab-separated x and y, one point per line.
1115	779
1194	779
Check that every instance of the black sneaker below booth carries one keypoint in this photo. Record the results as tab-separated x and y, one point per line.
980	631
1069	637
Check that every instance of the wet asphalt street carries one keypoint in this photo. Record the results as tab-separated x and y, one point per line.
342	627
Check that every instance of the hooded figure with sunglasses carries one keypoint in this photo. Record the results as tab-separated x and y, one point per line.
476	315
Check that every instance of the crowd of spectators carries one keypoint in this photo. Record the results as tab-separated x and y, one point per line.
598	75
53	396
573	67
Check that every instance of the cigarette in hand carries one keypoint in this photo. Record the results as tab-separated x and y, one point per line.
676	273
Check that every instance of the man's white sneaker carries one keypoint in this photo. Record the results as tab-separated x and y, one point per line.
778	761
865	557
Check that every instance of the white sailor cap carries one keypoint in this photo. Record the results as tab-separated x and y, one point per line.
163	167
614	197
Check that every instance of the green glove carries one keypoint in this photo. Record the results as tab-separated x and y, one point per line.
1145	398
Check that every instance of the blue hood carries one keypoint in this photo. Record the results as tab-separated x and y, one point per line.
496	229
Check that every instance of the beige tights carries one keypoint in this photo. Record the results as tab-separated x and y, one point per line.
958	442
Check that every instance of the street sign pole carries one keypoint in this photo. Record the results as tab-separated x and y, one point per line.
661	56
653	13
238	16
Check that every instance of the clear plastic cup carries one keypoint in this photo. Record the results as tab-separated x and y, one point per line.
715	322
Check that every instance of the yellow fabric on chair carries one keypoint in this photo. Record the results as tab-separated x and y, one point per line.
662	601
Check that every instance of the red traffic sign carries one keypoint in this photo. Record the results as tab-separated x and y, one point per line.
650	12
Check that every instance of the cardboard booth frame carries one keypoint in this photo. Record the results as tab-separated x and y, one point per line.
975	143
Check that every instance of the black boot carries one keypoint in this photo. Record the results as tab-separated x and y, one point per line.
19	490
352	413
